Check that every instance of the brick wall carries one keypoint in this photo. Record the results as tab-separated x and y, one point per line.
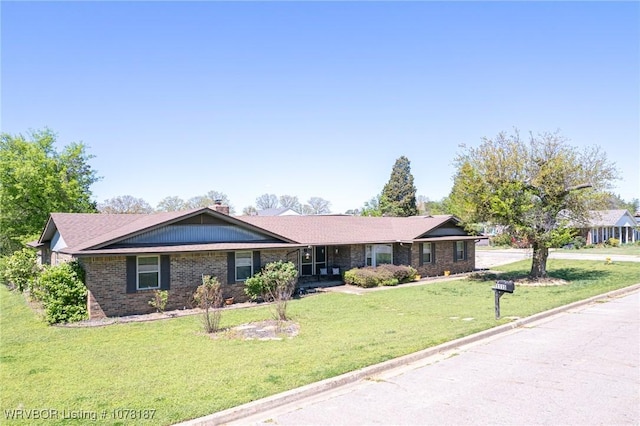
444	260
106	279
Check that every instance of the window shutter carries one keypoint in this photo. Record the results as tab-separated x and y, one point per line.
131	274
165	272
420	250
465	251
433	253
231	267
256	261
455	252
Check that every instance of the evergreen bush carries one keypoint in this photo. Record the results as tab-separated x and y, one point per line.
63	294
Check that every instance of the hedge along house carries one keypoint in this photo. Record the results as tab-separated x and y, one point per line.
127	256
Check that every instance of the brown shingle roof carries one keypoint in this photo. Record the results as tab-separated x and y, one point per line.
340	229
94	233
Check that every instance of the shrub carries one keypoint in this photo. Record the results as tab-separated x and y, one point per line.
159	300
613	242
500	240
579	242
20	270
63	294
209	298
387	275
362	277
402	273
275	282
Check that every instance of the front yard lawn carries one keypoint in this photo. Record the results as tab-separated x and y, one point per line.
174	371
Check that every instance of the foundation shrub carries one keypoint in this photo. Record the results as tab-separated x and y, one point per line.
383	275
62	292
402	273
362	277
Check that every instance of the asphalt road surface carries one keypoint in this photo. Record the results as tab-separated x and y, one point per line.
580	367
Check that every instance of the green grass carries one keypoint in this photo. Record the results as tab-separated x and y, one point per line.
171	367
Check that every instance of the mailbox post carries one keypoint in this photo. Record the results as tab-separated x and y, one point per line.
501	288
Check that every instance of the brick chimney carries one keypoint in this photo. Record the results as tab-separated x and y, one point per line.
219	207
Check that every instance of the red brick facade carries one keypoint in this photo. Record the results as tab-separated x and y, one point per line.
106	277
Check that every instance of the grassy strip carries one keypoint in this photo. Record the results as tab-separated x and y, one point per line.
171	367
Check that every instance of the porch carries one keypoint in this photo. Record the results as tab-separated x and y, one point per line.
309	283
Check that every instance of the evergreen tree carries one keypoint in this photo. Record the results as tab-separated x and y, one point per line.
399	194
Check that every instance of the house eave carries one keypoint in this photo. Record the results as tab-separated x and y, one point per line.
179	249
451	238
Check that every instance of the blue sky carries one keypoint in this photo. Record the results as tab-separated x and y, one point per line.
315	99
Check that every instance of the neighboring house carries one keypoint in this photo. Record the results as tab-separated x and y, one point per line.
605	224
126	256
284	211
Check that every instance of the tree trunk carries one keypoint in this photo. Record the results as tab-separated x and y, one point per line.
539	264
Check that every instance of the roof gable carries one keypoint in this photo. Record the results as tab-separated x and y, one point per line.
86	232
611	218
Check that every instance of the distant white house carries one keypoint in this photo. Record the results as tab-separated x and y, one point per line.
605	224
278	212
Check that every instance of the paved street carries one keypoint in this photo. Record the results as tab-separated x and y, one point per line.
580	367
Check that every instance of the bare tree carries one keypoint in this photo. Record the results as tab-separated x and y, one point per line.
290	202
125	204
171	204
209	199
317	205
249	211
267	201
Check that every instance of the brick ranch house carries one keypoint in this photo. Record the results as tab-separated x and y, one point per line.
126	256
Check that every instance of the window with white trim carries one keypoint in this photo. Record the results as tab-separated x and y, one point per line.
244	265
460	250
148	272
427	253
378	254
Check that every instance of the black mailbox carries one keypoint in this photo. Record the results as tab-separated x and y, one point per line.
506	286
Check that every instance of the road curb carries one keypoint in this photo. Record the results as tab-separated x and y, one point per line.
293	395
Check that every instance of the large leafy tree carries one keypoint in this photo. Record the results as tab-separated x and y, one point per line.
125	204
35	180
536	188
398	196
